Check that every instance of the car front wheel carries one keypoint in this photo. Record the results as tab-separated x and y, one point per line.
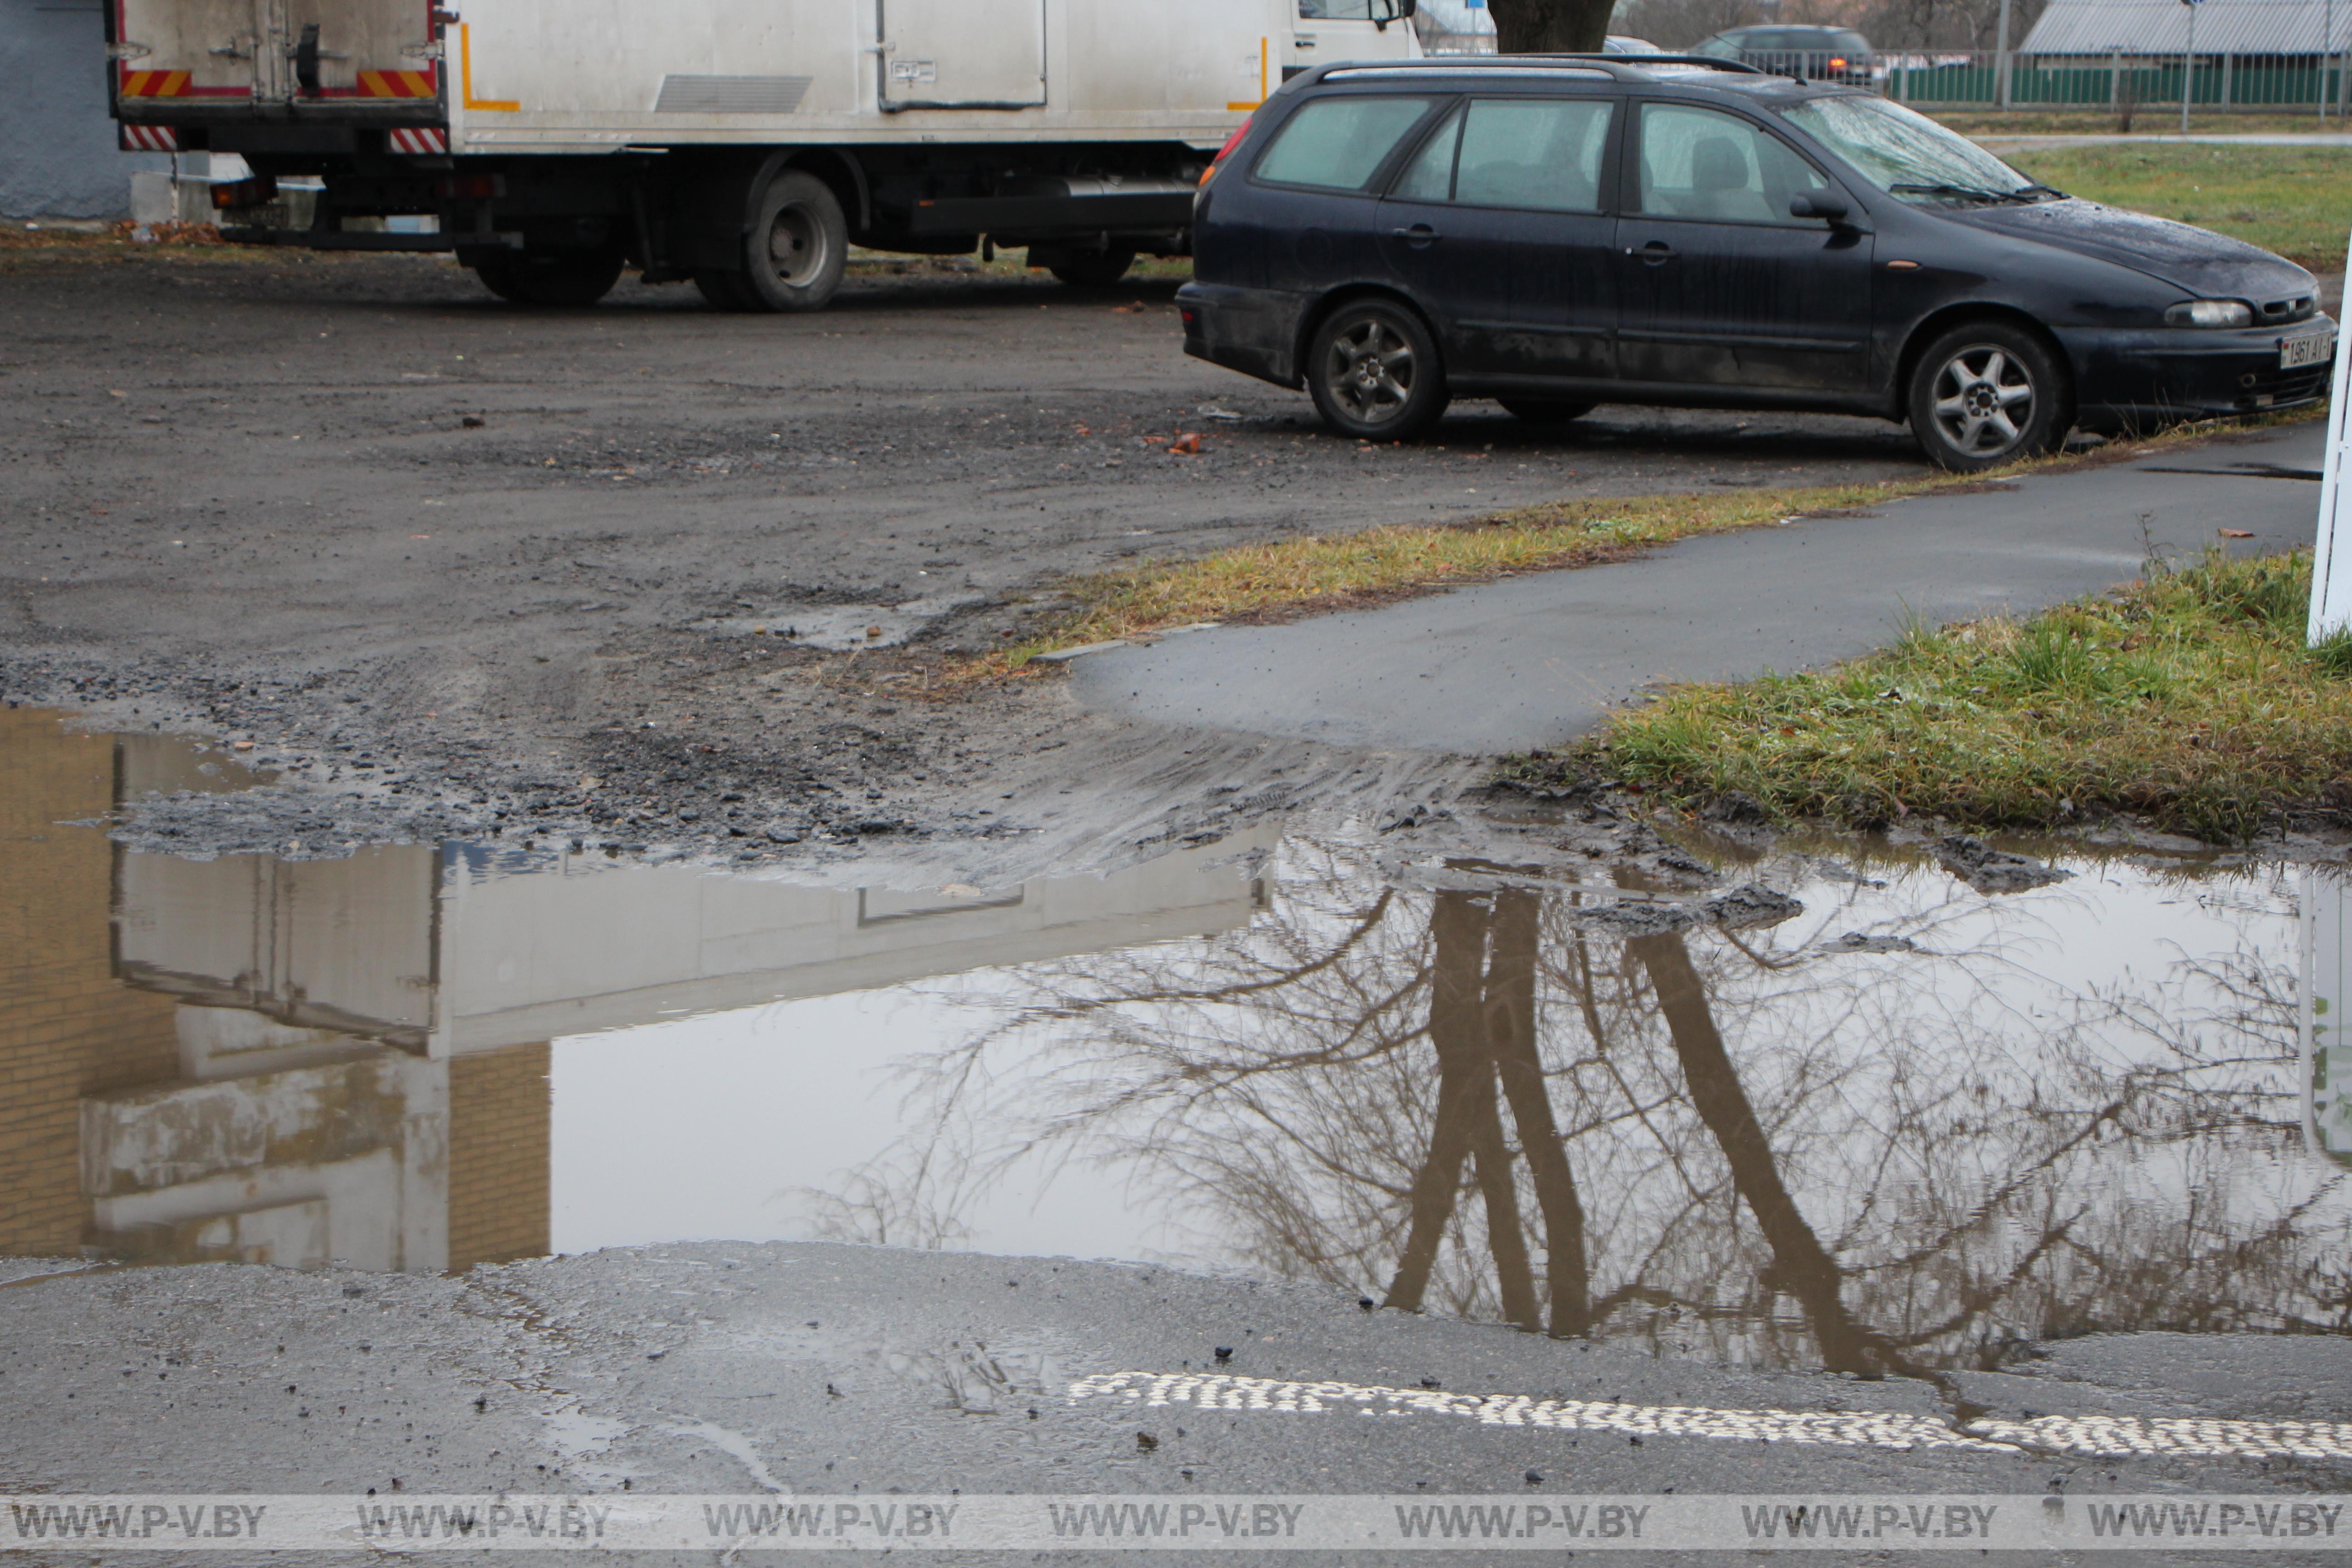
1985	395
1373	373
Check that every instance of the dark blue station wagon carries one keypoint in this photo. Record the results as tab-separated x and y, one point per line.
1557	232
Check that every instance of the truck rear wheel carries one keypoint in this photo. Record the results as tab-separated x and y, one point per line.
722	290
799	243
570	279
1093	270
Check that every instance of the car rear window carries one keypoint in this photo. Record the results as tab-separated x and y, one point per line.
1338	143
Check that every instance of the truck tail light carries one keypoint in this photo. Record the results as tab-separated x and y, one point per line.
472	188
1231	143
249	193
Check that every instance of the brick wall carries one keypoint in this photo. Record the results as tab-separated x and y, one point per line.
498	1155
67	1027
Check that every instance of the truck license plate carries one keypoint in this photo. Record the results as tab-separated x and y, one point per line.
2315	349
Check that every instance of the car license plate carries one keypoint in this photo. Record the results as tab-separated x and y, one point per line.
2313	349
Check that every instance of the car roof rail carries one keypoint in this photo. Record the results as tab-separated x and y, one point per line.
1621	68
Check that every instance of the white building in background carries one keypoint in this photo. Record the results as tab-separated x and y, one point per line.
1455	26
2261	29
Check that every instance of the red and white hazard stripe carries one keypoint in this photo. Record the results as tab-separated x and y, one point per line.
150	139
422	140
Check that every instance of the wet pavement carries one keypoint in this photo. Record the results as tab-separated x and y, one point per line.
1712	1164
1812	1106
1536	660
355	507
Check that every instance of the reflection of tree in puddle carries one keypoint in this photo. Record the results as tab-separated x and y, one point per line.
1754	1146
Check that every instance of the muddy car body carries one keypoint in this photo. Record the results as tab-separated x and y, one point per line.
1699	234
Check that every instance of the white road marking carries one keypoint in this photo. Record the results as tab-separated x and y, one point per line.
2104	1434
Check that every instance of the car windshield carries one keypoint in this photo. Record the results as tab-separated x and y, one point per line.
1909	155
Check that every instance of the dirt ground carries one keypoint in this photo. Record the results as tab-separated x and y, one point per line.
502	567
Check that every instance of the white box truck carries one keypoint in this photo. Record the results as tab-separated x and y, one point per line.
742	144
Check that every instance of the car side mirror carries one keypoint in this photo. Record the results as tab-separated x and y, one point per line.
1818	206
1386	11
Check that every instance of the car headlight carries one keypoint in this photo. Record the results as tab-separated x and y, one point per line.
2211	313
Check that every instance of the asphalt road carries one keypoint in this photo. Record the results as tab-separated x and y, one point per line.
354	506
1530	661
847	1374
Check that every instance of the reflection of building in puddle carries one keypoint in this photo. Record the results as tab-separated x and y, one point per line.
298	1062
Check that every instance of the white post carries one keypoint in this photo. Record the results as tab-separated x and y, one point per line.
2188	67
2326	42
2331	569
2000	65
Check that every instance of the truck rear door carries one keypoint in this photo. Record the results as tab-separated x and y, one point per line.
177	60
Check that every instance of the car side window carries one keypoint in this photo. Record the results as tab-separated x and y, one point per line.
1339	144
1536	154
1697	163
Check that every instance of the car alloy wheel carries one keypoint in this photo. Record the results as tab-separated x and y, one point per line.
1988	393
1984	401
1376	372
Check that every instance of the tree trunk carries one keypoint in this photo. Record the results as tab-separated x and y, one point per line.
1551	27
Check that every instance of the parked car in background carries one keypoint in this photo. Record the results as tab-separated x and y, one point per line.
1561	231
1614	44
1812	54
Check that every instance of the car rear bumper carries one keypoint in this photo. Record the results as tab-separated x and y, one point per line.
2134	377
1253	331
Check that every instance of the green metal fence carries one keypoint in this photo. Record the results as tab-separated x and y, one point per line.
2219	81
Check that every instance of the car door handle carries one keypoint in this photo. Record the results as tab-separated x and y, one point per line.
1657	250
1419	234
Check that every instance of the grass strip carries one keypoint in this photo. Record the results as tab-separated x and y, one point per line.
2293	201
1318	573
2187	698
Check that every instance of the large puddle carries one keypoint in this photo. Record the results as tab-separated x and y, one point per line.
1912	1125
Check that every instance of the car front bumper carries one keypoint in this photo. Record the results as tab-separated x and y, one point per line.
2129	377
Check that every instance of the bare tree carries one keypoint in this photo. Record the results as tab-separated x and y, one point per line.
1549	26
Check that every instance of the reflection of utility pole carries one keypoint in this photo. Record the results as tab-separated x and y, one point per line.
1511	1029
1803	1265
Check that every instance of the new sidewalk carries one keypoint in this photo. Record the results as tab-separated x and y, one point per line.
1533	660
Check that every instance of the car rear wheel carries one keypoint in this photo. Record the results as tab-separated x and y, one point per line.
1374	373
1985	395
571	278
1544	410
